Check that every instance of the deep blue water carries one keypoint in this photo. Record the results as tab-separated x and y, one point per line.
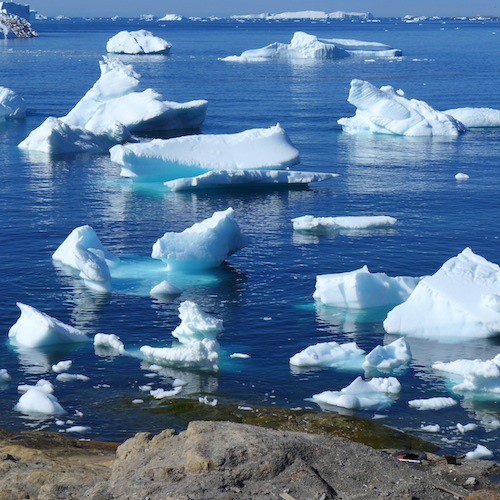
264	293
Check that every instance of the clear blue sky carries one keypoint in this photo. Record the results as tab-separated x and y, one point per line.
381	8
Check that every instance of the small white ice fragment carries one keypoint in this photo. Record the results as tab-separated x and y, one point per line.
432	403
162	393
479	453
71	377
461	177
62	366
466	428
430	428
239	355
206	401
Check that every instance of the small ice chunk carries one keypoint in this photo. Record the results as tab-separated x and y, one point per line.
207	402
137	42
164	288
461	177
479	453
162	393
137	401
12	105
39	400
394	356
145	388
311	224
4	376
108	343
239	355
466	428
36	329
42	385
437	403
430	428
80	429
71	377
329	355
62	366
178	382
245	408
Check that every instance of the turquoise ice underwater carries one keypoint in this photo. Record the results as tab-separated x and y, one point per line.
264	292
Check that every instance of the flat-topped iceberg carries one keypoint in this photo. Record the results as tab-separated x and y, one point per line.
169	159
462	299
387	111
216	179
137	42
36	329
388	358
12	105
476	117
330	355
197	335
361	289
437	403
311	224
204	245
306	46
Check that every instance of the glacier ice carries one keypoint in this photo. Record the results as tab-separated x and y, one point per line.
311	224
204	245
387	111
476	117
12	105
461	300
36	329
436	403
361	289
137	42
330	355
197	336
306	46
39	400
188	156
392	357
242	178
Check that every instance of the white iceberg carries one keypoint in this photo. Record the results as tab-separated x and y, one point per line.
171	17
430	428
387	111
330	355
83	251
311	224
306	46
164	288
460	176
72	377
392	357
373	394
466	428
242	178
12	105
36	329
361	289
437	403
476	117
162	393
460	300
62	366
204	245
38	400
479	453
198	347
137	42
188	156
108	344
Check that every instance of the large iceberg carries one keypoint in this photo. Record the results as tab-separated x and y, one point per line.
36	329
216	179
361	289
311	224
330	355
204	245
12	105
83	251
387	111
476	117
137	42
197	336
169	159
462	299
306	46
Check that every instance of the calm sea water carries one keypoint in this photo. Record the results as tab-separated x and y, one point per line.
264	293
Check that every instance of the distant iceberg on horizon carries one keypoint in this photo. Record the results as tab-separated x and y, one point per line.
308	14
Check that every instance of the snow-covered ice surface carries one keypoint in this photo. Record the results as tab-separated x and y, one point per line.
388	111
461	300
12	105
330	355
193	155
306	46
320	225
37	329
137	42
476	117
204	245
361	289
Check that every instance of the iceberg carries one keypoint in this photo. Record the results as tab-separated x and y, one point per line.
476	117
83	251
481	452
437	403
197	335
164	288
306	46
38	400
395	356
307	14
204	245
216	179
320	225
171	17
12	105
330	355
108	344
137	42
170	159
36	329
373	394
361	289
62	366
461	300
387	111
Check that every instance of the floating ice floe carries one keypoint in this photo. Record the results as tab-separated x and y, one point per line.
36	329
12	105
437	403
204	245
311	224
62	366
137	42
466	428
162	393
72	377
362	394
330	355
306	46
83	251
243	178
39	400
478	376
388	111
461	300
164	288
239	355
476	117
430	428
395	356
108	345
197	335
193	155
479	453
461	177
361	289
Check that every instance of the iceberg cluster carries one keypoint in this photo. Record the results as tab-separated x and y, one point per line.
12	105
197	335
361	289
137	42
306	46
387	111
320	225
461	300
204	245
188	156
